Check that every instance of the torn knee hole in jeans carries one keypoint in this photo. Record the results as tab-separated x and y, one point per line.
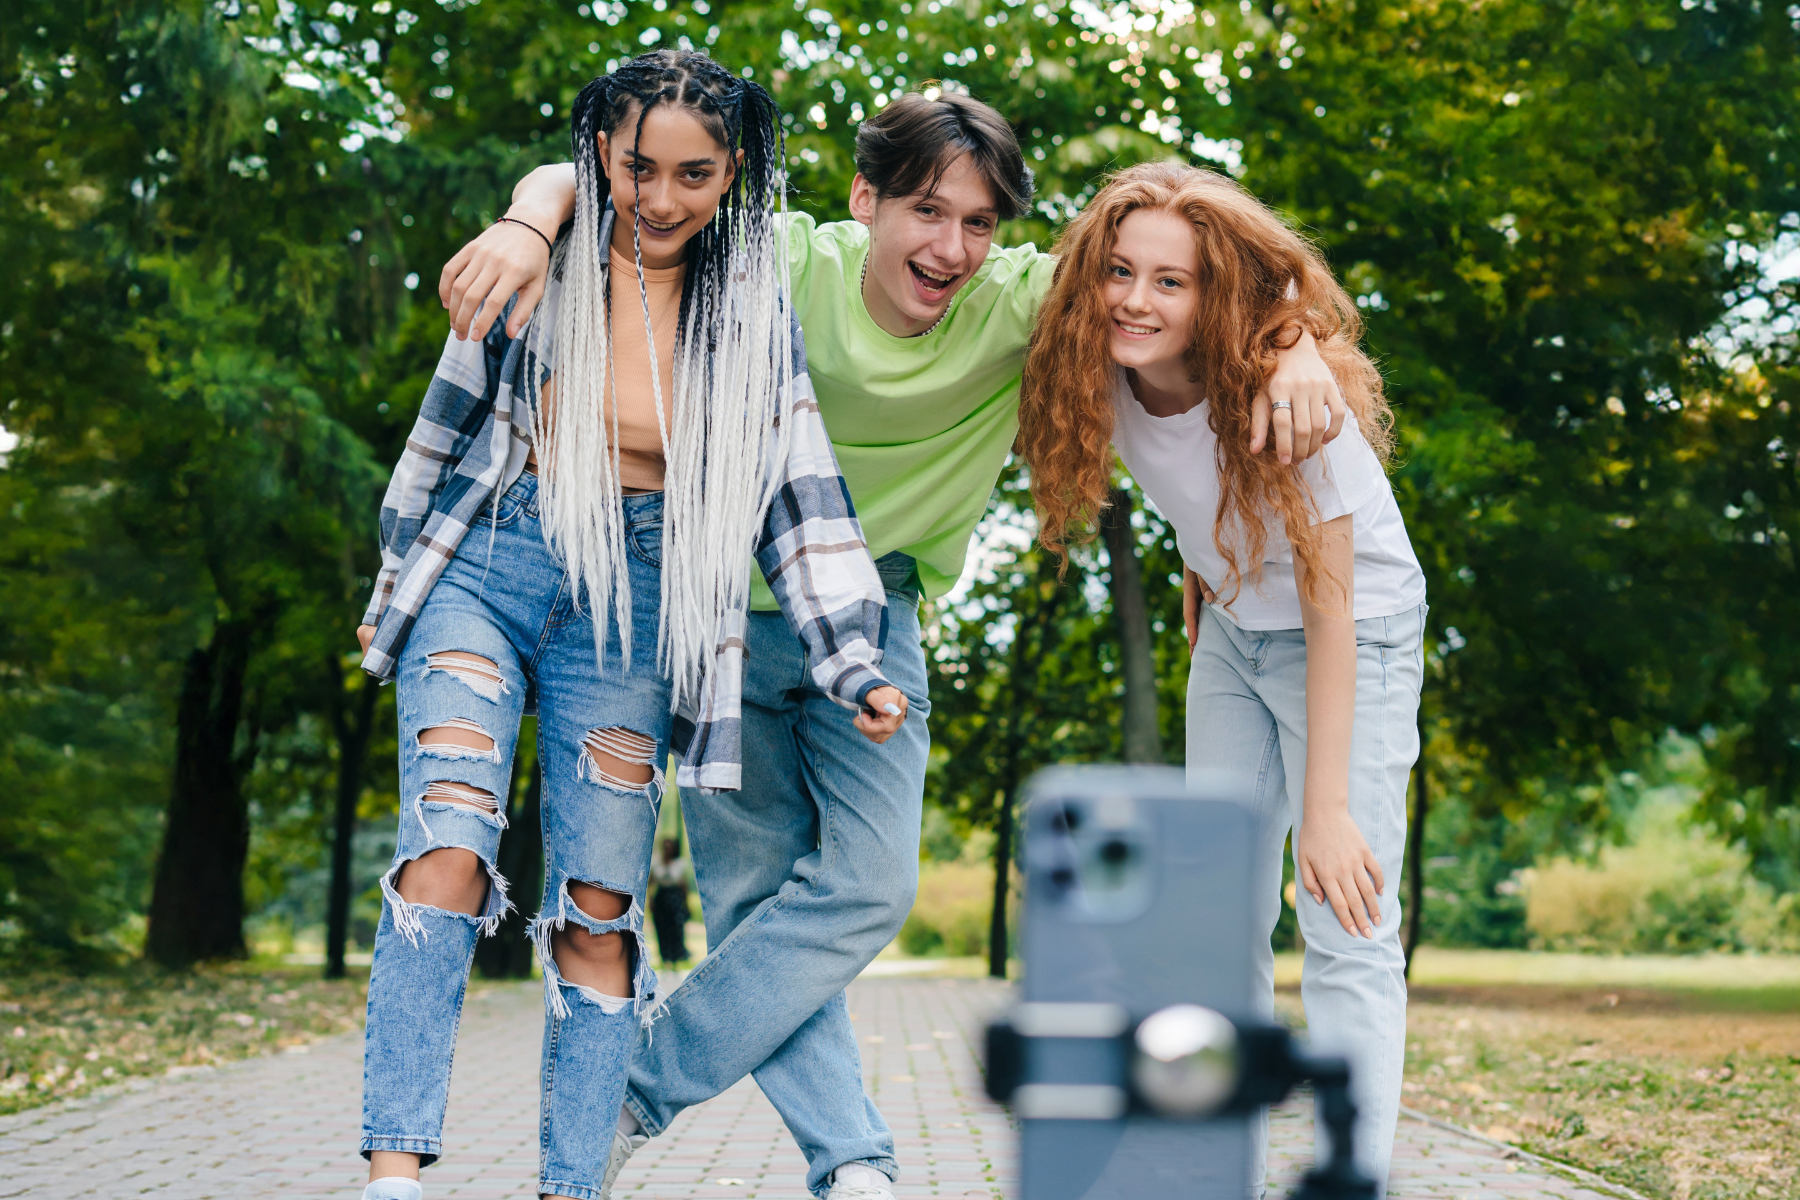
565	911
458	738
480	674
409	917
622	759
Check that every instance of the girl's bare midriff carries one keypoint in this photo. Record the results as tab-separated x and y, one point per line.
640	442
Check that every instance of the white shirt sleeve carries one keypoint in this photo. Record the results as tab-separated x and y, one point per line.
1345	475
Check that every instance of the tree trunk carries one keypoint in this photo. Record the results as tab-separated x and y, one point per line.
997	942
507	955
1415	852
197	903
353	736
1142	742
1030	644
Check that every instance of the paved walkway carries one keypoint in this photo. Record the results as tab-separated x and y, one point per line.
287	1126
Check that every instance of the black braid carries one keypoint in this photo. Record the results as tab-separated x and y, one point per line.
739	114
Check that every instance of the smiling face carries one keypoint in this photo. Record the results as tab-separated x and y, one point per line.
670	181
923	248
1152	294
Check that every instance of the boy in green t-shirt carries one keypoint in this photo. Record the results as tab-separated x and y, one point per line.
916	330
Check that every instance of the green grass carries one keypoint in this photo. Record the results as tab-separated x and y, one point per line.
1679	1077
1700	982
63	1036
1676	1076
1674	1104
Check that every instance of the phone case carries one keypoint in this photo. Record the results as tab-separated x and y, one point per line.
1137	894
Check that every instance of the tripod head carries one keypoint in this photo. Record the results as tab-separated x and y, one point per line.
1338	1177
1183	1062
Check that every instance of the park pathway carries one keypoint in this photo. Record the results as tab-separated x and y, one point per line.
287	1126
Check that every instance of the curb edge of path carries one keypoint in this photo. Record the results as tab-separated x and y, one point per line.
1576	1174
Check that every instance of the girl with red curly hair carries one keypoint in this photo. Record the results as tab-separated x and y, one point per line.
1174	292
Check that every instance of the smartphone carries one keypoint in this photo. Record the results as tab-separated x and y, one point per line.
1137	894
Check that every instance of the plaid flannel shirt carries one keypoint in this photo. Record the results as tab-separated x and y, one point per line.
471	441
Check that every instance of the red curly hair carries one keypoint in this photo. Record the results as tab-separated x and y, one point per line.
1260	284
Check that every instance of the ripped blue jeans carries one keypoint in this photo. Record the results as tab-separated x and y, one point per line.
501	631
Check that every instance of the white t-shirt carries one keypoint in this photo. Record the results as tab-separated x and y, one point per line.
1175	460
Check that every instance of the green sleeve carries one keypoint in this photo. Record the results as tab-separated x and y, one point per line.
1034	285
799	229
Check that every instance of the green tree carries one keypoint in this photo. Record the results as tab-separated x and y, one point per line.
1029	667
1538	204
174	351
215	216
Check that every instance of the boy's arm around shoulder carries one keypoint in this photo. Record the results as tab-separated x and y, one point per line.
510	257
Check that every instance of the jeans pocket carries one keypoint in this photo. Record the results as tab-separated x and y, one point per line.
507	512
644	540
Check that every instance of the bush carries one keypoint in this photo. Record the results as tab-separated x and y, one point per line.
1471	865
1675	891
951	915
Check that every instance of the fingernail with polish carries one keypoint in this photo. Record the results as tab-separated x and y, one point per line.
892	710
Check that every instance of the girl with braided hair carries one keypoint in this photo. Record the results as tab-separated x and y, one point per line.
620	463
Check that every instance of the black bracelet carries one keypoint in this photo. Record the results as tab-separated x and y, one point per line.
530	226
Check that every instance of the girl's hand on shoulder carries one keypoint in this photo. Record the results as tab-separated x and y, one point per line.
875	721
1338	868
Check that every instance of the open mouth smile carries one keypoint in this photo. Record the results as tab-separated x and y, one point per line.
932	283
1135	330
656	227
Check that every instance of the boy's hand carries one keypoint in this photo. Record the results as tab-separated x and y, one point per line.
875	721
1338	868
476	284
505	259
1316	414
365	634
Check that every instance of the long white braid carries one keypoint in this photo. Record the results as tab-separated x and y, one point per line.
733	366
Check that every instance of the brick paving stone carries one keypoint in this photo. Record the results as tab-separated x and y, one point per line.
287	1126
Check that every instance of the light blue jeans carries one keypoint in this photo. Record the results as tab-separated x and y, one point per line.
805	875
506	599
1246	716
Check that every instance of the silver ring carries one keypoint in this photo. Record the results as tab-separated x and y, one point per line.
1279	404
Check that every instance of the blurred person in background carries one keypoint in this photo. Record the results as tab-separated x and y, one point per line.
669	903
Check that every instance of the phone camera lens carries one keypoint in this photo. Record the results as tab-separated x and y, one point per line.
1114	853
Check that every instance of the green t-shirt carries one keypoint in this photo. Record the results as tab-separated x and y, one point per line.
921	425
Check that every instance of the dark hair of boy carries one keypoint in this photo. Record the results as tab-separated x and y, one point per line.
904	149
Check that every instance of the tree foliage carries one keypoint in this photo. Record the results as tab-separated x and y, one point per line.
220	223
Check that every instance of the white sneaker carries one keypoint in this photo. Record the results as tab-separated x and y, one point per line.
392	1187
623	1147
870	1185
